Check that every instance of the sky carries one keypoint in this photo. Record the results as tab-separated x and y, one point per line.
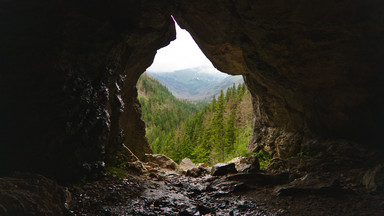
182	53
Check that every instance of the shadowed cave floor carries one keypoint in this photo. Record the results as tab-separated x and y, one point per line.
165	192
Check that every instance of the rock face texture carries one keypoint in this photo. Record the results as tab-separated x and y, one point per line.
32	194
68	77
312	67
69	70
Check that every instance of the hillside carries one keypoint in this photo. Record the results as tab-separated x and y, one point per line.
196	83
161	111
217	133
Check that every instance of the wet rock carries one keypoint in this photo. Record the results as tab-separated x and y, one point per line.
311	183
31	194
374	179
259	179
197	172
221	169
246	164
161	160
226	188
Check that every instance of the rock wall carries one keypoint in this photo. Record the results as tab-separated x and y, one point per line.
313	67
68	75
69	70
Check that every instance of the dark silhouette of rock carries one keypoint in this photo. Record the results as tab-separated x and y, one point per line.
68	74
221	169
197	171
32	194
311	183
69	71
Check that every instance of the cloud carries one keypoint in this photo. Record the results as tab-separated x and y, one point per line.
182	53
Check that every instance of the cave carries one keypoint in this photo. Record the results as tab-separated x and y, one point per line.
69	71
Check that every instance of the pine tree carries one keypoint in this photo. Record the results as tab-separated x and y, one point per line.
213	104
218	126
240	92
230	131
228	94
234	90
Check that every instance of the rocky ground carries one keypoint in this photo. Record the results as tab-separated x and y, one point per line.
287	187
166	193
172	194
339	180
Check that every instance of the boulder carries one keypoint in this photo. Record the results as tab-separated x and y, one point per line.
197	171
246	164
188	168
202	165
161	160
186	164
221	169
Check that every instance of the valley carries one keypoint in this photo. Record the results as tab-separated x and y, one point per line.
206	132
196	84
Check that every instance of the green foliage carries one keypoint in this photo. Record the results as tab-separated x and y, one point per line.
264	158
162	113
116	172
205	133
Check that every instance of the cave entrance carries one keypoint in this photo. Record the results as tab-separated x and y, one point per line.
191	109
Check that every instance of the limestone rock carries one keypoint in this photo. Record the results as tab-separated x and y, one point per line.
186	164
188	168
161	160
221	169
246	164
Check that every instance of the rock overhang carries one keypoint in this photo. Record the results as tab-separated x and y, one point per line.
313	69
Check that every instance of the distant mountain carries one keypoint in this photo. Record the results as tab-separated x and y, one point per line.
199	83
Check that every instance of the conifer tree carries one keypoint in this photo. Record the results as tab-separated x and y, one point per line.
213	103
230	131
228	94
218	126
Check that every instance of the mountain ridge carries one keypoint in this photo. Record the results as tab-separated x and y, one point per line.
196	84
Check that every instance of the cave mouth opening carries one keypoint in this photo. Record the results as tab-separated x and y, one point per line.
192	110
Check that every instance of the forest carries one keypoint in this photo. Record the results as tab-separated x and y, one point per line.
204	132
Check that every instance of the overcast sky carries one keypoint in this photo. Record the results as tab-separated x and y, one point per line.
182	53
